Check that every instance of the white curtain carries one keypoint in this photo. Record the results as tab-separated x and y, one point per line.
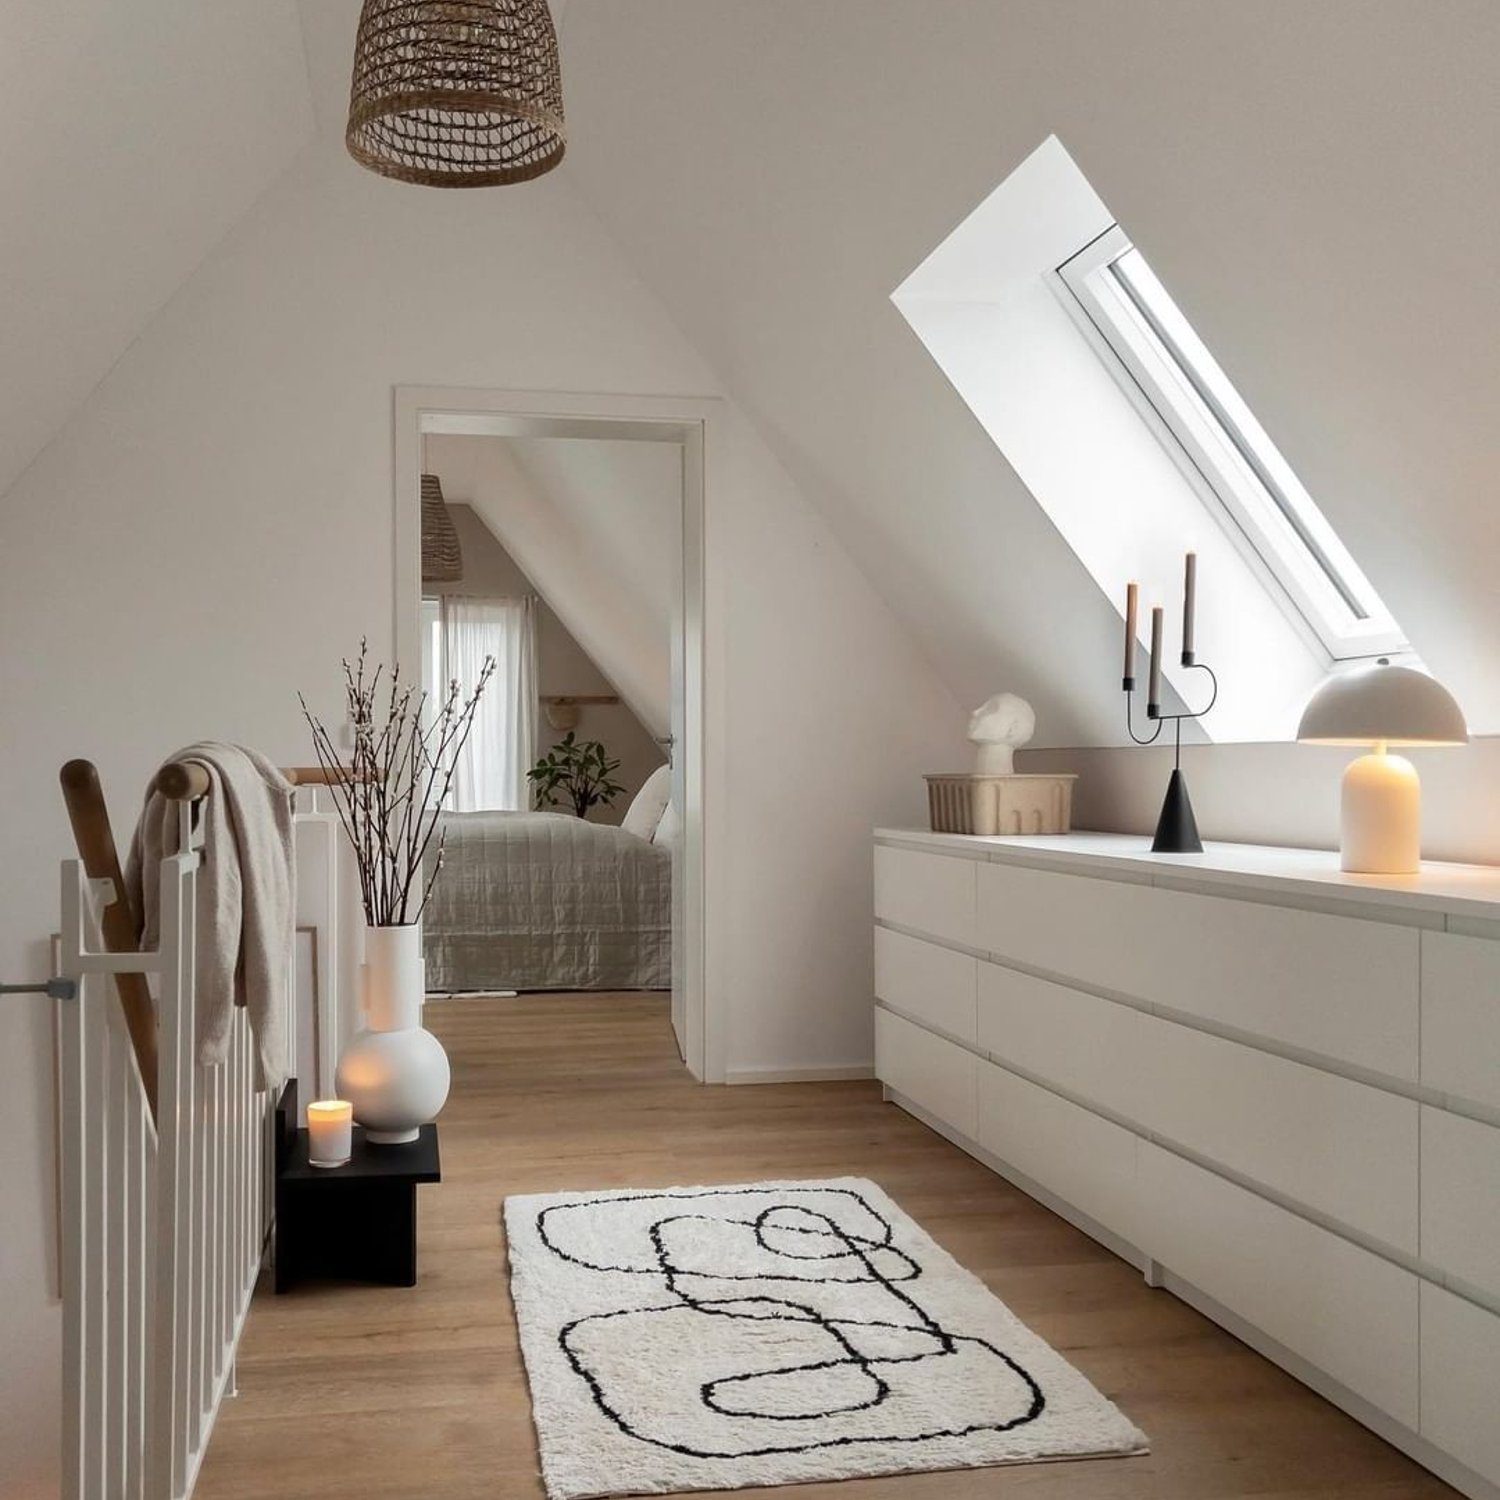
491	771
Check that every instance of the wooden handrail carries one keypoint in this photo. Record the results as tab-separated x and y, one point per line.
119	923
311	775
182	780
187	780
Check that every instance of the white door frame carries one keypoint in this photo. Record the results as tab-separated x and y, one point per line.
696	423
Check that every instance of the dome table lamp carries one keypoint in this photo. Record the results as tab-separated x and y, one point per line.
1381	705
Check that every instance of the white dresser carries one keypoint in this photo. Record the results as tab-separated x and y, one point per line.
1273	1087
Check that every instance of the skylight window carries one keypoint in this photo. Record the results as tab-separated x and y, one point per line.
1226	454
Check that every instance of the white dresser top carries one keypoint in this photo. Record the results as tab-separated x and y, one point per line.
1450	890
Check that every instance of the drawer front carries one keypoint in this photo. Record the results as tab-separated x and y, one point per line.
1461	1015
929	1071
1342	1148
1461	1199
1461	1380
1084	1159
1341	986
1344	1310
1077	1042
926	892
933	985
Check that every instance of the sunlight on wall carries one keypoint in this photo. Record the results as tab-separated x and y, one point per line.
986	306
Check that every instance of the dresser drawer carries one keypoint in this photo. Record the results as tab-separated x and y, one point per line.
1075	1041
1339	1147
933	985
929	1071
1461	1015
1343	1309
1342	1148
1461	1199
1340	986
1461	1380
1084	1159
926	892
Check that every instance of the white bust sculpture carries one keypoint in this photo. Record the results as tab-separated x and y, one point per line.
999	727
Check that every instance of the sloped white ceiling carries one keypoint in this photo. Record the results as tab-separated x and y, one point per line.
562	508
1314	183
134	134
625	498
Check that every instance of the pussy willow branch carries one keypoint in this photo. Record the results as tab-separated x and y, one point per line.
389	796
455	729
328	761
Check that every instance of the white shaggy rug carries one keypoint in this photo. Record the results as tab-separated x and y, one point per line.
772	1333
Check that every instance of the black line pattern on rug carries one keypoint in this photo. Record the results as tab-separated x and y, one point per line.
782	1219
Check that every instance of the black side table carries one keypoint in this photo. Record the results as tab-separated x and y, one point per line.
357	1222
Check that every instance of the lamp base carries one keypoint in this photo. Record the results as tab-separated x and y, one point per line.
1380	821
1177	828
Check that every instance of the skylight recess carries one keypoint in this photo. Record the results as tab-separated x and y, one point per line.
1162	364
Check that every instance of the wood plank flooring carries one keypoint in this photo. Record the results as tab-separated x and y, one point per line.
347	1391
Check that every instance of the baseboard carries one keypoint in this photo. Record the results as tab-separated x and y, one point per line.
799	1075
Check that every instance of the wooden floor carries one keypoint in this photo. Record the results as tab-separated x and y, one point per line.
420	1394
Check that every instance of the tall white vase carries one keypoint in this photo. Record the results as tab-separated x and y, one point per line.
393	1072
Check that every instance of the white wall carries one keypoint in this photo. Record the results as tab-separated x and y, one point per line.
166	575
1280	794
136	135
986	304
1314	183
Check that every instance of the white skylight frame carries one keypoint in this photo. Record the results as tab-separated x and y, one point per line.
1224	452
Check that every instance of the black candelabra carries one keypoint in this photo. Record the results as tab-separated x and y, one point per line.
1176	827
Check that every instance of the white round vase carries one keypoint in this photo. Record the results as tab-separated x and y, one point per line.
393	1072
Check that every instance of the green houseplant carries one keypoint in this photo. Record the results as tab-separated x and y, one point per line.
575	773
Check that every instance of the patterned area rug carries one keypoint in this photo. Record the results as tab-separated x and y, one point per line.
774	1333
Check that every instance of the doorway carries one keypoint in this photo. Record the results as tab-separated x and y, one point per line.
585	447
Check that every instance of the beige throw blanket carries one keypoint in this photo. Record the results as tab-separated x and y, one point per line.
246	906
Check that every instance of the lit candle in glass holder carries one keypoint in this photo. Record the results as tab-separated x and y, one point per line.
330	1132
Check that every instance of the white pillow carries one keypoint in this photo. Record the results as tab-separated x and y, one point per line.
669	830
650	803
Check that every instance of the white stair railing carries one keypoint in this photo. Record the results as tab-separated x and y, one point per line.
163	1224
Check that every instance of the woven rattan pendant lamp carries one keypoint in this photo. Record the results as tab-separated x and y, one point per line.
456	93
442	558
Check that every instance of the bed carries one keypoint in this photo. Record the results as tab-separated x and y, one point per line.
546	901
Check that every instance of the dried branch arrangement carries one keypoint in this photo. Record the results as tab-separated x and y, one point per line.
390	792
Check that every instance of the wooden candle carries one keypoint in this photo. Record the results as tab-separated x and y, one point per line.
1189	605
1153	696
